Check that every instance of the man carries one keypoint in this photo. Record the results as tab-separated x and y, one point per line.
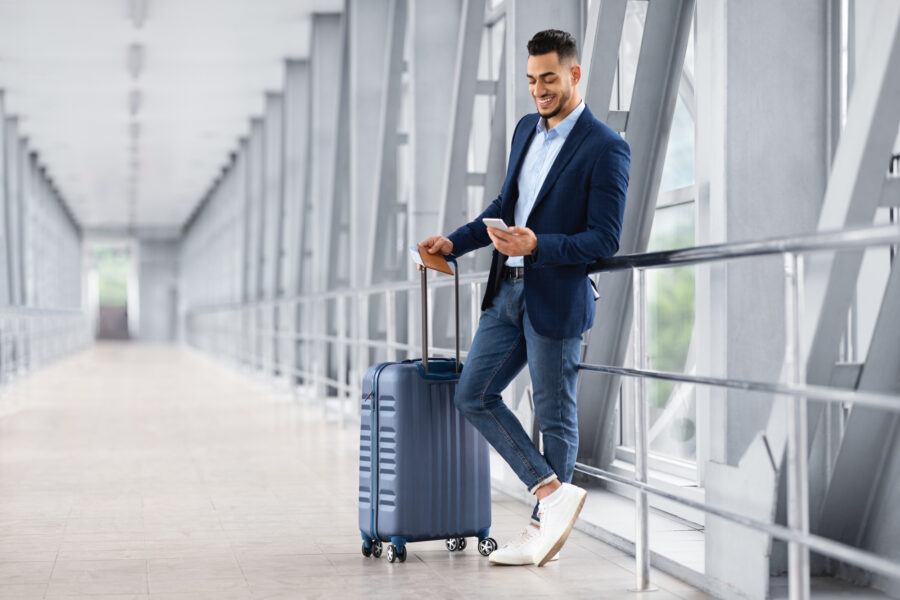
565	193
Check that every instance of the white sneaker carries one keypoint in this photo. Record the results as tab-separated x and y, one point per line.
519	551
557	518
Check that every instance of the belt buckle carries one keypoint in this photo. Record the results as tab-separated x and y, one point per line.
515	273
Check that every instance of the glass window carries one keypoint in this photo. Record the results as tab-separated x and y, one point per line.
670	324
679	166
670	308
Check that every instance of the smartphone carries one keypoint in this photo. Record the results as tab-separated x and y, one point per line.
496	224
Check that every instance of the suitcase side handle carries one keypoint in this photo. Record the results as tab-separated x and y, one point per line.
424	278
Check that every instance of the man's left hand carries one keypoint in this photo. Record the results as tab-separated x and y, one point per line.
520	241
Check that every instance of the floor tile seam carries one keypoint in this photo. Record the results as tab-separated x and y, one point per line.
239	564
52	569
147	575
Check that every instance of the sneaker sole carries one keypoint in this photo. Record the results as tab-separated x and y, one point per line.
562	539
519	564
510	564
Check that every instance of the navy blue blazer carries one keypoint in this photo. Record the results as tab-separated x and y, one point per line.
577	218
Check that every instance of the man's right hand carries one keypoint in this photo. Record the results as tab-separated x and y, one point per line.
438	243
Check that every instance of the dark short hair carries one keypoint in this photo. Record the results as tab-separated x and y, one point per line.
553	40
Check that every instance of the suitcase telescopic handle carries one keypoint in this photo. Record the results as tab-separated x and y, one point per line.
425	313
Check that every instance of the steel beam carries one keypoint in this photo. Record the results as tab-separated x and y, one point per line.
386	259
601	55
326	62
374	78
453	186
255	200
338	260
436	29
870	435
851	199
5	272
273	199
296	188
26	192
296	168
854	188
660	63
255	183
13	209
497	158
326	79
242	189
273	126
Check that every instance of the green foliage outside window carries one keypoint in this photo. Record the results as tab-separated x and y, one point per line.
670	323
113	268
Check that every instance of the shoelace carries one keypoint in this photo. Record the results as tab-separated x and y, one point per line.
524	537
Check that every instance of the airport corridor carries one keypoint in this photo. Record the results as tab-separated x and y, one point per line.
150	471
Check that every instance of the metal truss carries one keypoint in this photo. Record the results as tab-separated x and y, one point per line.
40	261
376	151
857	185
645	126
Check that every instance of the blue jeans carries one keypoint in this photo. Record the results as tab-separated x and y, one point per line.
504	343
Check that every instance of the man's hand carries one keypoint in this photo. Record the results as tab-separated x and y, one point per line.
520	241
438	243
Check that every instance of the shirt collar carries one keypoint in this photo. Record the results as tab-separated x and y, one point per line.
564	127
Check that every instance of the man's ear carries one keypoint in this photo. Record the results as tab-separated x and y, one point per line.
576	74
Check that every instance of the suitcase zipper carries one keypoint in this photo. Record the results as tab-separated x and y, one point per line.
374	462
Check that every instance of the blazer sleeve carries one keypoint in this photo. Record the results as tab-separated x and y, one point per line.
605	211
473	235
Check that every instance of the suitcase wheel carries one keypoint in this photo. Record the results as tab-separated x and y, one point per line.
376	548
396	554
486	546
456	544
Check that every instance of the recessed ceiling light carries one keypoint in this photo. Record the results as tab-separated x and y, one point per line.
135	99
138	12
135	60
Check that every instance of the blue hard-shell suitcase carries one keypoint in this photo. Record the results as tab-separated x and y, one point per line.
424	470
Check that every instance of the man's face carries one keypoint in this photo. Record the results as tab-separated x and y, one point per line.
551	83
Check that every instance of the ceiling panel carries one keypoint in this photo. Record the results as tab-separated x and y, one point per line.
205	65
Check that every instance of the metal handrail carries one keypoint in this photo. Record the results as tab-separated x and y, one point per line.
39	310
796	534
408	285
32	336
822	393
846	239
800	541
818	543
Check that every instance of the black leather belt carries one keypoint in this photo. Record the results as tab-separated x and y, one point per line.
513	273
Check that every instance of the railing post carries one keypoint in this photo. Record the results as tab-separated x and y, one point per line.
390	324
642	512
797	448
343	347
474	308
362	335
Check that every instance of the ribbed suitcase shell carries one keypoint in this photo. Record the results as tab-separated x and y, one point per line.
432	474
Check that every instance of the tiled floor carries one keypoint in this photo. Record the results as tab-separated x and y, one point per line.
134	471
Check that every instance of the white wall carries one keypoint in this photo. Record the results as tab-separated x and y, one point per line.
158	285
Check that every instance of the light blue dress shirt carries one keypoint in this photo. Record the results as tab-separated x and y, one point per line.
544	148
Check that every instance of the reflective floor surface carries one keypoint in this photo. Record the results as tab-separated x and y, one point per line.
132	471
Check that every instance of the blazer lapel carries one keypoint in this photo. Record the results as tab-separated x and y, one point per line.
517	156
578	134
